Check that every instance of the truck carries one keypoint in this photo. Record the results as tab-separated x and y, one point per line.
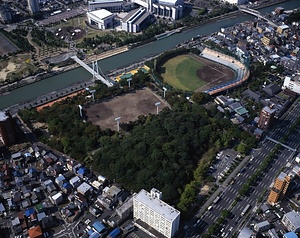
245	210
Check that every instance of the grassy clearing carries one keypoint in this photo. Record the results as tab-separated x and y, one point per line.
181	73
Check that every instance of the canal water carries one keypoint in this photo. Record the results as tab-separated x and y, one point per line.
134	55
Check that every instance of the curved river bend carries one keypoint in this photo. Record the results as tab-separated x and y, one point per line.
63	80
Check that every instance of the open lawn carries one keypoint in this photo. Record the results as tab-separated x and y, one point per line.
181	73
193	73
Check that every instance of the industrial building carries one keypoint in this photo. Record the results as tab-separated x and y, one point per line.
149	209
102	18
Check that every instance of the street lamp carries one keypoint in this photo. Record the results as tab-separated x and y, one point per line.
93	94
157	105
80	110
164	91
128	80
117	119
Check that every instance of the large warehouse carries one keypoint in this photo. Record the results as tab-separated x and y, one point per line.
102	18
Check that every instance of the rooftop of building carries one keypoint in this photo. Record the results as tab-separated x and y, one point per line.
157	205
100	14
293	217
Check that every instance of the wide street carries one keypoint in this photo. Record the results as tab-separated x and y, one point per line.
283	156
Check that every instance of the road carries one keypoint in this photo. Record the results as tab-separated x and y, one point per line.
282	157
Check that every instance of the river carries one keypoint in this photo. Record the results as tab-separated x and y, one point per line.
65	79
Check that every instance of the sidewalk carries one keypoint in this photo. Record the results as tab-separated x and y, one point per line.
222	188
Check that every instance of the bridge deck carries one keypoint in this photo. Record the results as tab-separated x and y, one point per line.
94	73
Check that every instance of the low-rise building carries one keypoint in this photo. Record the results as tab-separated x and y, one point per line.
102	18
262	226
291	221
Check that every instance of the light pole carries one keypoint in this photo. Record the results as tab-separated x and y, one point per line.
128	80
93	94
117	119
157	105
164	91
80	110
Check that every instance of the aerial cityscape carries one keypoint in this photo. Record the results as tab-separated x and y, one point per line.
149	118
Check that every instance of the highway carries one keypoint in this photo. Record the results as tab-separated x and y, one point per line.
283	156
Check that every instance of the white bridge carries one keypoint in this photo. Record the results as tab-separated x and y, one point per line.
94	71
257	14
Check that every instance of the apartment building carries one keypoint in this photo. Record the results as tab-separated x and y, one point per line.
151	210
279	189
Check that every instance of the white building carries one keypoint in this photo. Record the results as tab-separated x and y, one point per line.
237	2
110	5
102	18
135	20
84	188
150	209
172	9
292	83
57	198
291	221
33	6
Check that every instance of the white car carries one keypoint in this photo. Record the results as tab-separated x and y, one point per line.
230	229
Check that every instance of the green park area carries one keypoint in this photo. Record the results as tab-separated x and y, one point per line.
181	72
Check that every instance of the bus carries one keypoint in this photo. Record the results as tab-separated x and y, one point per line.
217	199
245	210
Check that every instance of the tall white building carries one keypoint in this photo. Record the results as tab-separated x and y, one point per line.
292	83
150	209
33	6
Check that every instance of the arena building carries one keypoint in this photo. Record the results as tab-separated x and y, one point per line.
102	18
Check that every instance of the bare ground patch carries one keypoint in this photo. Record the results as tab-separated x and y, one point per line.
128	106
213	73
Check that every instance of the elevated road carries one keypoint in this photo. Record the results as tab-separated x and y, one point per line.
92	71
258	15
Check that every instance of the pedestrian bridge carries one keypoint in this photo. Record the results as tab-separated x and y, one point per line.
257	14
93	71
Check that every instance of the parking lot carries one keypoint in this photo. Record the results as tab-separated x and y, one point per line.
224	160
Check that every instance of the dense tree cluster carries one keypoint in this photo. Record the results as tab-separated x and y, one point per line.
42	37
18	38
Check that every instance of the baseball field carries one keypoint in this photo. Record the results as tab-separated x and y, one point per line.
128	106
193	73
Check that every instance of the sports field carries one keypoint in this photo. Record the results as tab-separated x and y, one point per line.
193	73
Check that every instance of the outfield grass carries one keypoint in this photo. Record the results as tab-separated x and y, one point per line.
181	73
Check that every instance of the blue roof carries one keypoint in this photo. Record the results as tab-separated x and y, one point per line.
290	235
29	212
114	233
17	173
82	170
99	226
94	235
67	185
32	170
90	231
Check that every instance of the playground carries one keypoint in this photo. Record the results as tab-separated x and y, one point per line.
128	106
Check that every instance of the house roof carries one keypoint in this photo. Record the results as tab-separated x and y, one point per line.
99	226
35	232
29	211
